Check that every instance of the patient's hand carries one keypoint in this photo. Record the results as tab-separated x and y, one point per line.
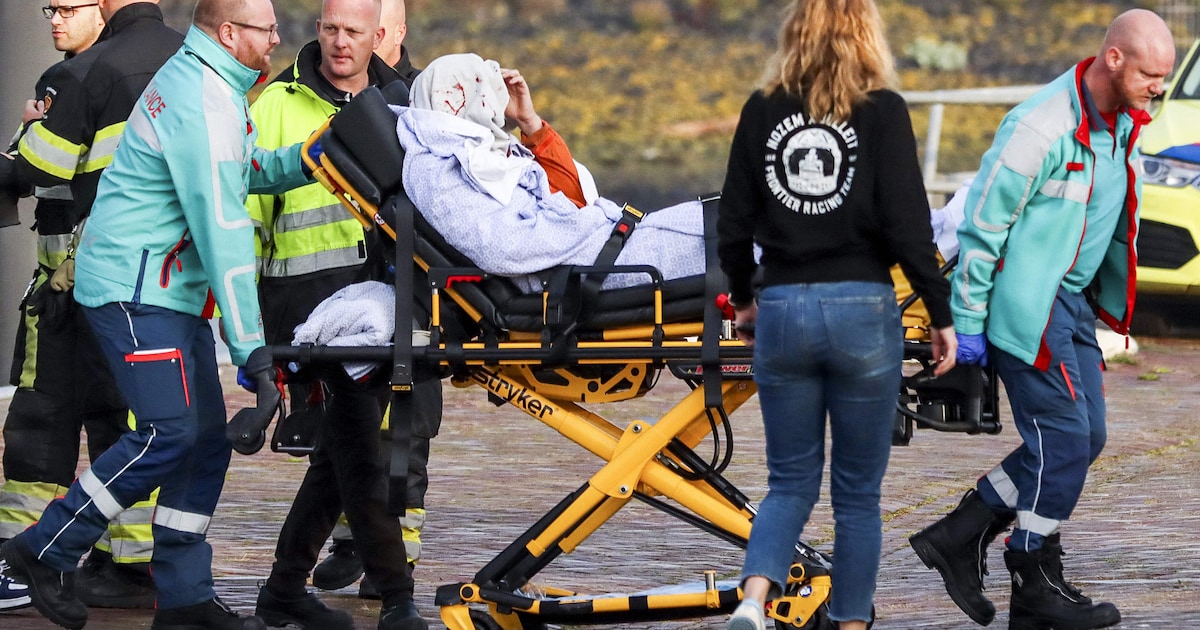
520	102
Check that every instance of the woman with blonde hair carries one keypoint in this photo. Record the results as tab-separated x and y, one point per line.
823	175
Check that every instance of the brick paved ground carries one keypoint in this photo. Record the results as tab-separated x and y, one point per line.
1132	540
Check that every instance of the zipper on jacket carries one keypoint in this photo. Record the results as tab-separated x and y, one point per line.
172	258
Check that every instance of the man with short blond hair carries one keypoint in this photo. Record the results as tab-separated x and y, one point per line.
311	247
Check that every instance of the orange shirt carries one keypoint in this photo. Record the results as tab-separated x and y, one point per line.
550	150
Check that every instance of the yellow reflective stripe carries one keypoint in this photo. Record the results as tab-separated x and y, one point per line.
22	502
410	528
131	535
29	369
50	153
313	217
103	146
130	551
52	249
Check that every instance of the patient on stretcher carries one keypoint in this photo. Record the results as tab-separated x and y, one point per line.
501	204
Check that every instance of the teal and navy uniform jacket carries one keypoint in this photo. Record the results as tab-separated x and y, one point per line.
1041	168
169	228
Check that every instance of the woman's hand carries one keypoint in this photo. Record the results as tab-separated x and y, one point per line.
744	320
945	349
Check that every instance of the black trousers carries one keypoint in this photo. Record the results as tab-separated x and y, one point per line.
345	473
63	386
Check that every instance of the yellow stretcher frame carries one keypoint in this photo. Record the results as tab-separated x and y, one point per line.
551	379
648	460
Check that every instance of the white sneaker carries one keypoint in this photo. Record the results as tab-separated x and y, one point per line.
747	616
13	594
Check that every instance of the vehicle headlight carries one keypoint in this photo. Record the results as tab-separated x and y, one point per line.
1168	172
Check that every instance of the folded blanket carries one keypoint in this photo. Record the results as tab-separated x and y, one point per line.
359	315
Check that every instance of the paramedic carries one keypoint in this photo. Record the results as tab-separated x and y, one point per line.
167	240
1047	246
63	380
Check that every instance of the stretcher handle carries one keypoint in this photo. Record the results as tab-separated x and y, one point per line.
247	430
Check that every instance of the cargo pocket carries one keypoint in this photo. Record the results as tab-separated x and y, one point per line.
160	383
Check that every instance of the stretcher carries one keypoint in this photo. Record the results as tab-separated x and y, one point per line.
553	354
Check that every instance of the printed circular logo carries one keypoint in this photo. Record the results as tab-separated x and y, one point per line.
810	165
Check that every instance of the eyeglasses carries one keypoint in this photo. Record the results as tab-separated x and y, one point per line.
271	30
64	10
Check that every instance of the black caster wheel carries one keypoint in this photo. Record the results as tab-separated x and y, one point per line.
249	445
484	621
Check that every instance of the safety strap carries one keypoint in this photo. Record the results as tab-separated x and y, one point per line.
403	404
714	285
565	309
630	217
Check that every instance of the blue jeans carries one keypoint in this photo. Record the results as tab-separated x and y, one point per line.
826	349
1060	414
166	368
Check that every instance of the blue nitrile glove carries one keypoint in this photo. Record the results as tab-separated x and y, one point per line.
972	349
245	381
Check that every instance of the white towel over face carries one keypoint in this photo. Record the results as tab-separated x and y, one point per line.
467	86
471	88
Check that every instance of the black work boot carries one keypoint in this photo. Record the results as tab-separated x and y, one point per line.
210	615
306	611
52	592
102	583
1054	554
957	546
340	568
367	590
1039	602
402	615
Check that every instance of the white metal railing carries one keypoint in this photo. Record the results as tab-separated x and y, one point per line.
935	183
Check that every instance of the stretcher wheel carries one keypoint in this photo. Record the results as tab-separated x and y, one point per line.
249	445
483	621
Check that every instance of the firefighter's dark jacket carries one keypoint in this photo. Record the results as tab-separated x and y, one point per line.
88	99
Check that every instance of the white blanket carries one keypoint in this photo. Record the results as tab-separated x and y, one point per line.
358	316
534	230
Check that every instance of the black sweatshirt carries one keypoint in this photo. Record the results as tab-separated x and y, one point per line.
827	202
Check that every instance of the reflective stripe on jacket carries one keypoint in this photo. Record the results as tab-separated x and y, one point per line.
305	230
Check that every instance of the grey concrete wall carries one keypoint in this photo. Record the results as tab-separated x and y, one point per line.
27	50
